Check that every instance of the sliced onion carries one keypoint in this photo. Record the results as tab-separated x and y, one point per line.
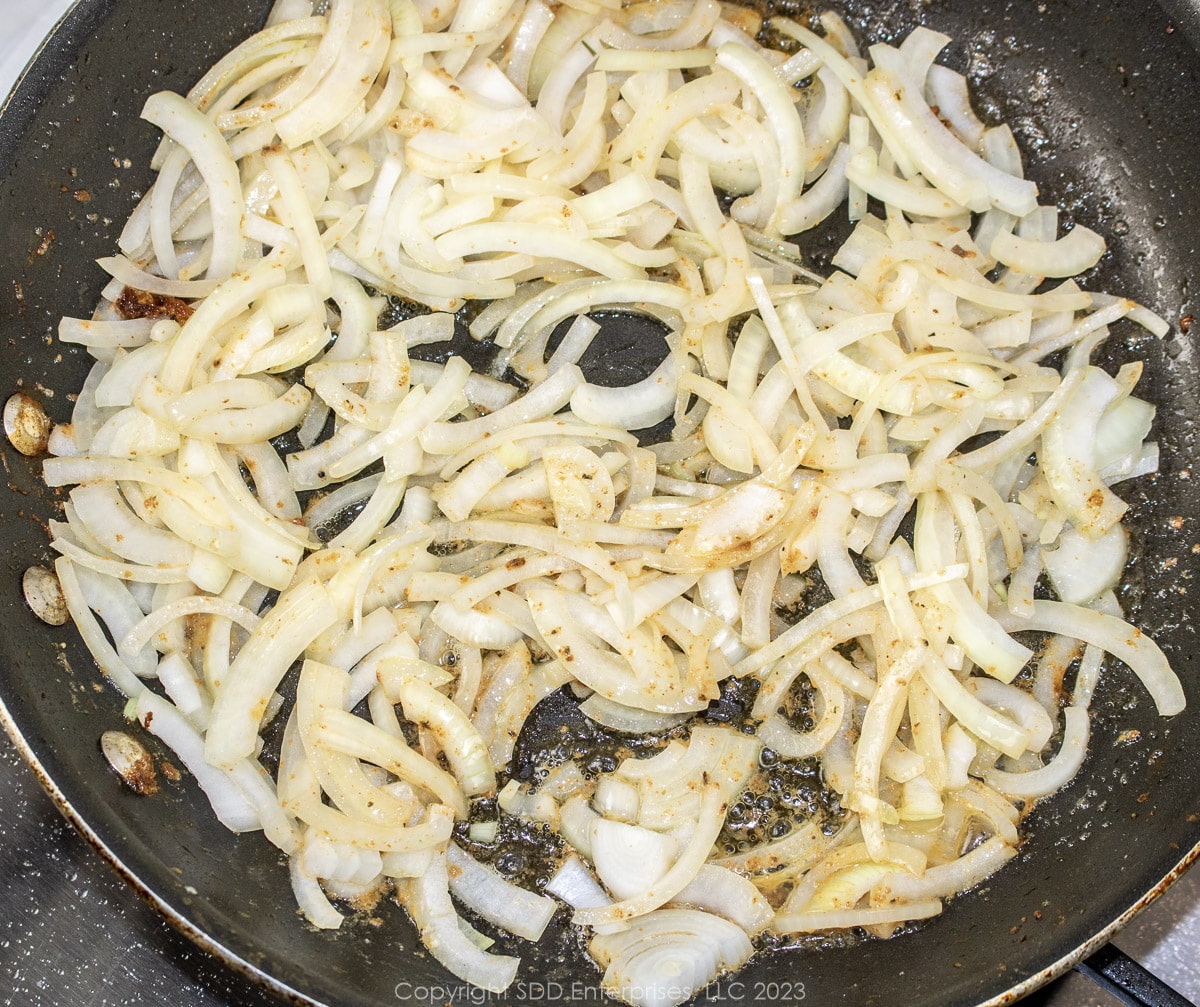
303	612
669	956
463	746
574	884
944	880
948	91
1116	636
634	407
616	799
429	903
719	890
836	919
1074	253
684	869
1067	444
1019	704
161	719
939	155
776	734
313	902
1058	771
619	717
996	729
628	858
196	134
345	733
481	889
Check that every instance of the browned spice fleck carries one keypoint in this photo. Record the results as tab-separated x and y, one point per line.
142	778
1185	323
171	772
142	304
82	196
43	247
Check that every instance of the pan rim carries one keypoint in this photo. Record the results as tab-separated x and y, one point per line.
34	56
180	921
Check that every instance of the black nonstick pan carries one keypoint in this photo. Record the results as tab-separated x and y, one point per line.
1105	99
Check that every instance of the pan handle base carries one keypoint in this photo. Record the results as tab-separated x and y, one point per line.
1113	970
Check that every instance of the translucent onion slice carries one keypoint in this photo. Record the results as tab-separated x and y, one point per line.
163	720
944	880
634	407
940	156
484	891
196	133
299	616
669	956
1067	462
719	890
628	858
836	919
574	884
1125	642
464	748
684	869
1077	251
313	902
619	717
429	903
1081	568
1058	772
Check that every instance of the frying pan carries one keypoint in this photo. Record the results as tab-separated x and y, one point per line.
1103	97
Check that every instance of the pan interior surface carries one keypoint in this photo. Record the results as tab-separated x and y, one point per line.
1102	101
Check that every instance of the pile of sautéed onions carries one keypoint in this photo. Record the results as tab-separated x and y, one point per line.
499	539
